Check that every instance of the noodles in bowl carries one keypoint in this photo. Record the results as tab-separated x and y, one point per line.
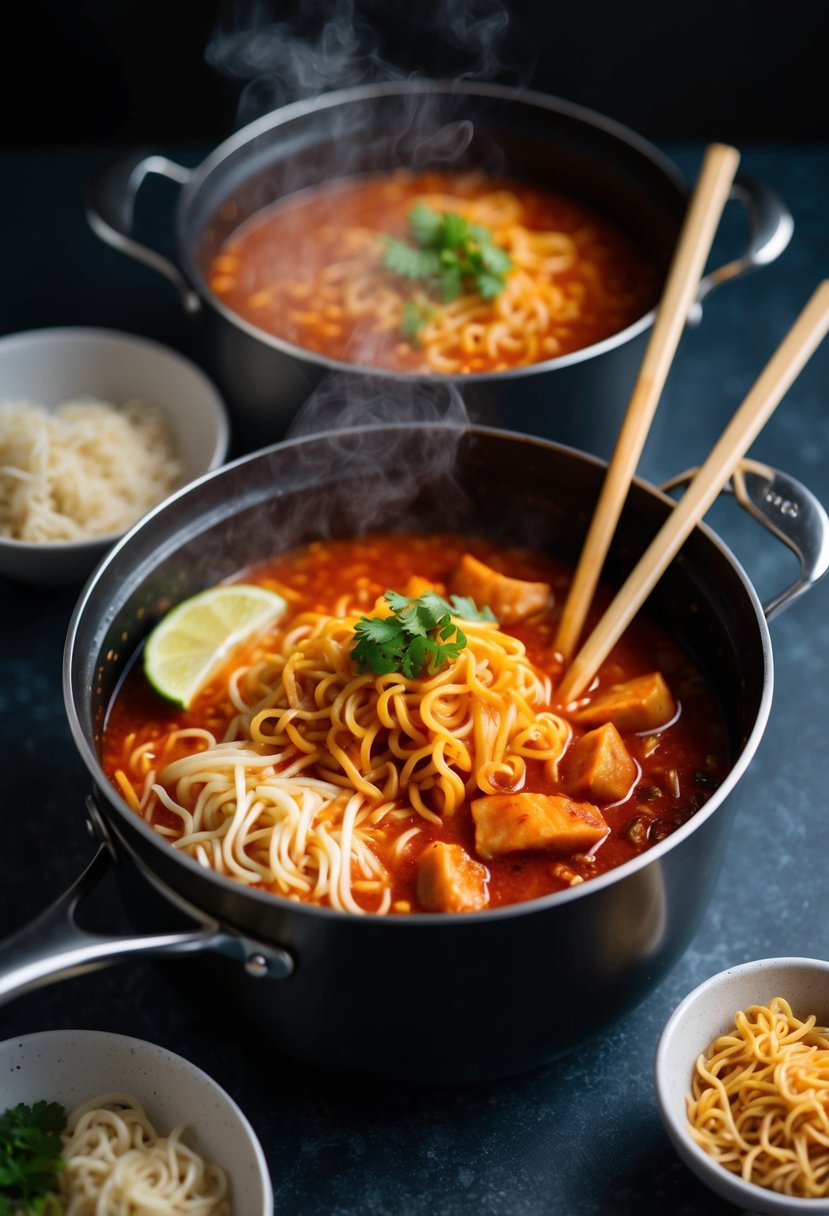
740	1075
115	1160
759	1103
132	1127
433	272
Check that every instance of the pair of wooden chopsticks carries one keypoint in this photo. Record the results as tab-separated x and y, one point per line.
709	198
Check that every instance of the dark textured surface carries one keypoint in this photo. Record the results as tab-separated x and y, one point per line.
582	1135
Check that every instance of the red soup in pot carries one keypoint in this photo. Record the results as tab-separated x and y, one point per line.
434	272
396	753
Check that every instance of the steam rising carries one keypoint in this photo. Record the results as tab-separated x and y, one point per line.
331	44
284	61
386	445
366	454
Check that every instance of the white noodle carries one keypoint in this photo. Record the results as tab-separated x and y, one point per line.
117	1163
86	469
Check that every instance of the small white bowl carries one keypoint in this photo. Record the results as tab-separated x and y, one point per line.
49	366
702	1016
72	1066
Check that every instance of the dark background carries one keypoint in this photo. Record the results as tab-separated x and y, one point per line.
102	71
582	1137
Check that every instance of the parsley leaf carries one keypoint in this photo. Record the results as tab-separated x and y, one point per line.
416	314
418	637
30	1158
492	257
408	262
489	285
466	608
449	256
426	226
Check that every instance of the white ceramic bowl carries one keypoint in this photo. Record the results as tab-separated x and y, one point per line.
704	1014
72	1066
48	366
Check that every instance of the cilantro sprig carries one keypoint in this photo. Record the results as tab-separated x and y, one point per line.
30	1158
449	257
419	636
416	314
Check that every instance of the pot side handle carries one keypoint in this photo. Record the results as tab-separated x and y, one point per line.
787	509
53	947
770	229
110	212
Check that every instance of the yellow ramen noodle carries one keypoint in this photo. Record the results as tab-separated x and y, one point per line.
759	1101
311	269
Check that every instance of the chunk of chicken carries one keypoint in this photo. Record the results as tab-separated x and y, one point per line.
511	599
449	880
599	766
643	703
506	823
417	585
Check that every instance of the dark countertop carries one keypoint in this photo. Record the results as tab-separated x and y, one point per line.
583	1134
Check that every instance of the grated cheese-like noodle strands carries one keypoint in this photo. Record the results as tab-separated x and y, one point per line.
86	469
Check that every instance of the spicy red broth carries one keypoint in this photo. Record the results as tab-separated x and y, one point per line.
678	764
314	270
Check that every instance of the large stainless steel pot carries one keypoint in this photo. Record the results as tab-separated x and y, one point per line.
578	398
431	997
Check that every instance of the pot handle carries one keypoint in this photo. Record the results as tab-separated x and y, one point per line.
787	509
771	228
111	212
53	946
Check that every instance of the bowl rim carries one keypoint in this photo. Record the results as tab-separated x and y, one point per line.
145	1048
748	1195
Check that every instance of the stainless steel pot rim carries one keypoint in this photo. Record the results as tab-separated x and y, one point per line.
332	100
367	92
267	899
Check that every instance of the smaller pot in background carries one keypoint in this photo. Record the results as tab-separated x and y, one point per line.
579	398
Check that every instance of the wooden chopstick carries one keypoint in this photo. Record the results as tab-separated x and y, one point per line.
802	340
700	224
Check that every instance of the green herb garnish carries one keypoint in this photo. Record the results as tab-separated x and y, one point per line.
419	636
450	256
416	314
30	1158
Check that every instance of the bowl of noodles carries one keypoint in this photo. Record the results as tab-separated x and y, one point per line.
504	241
742	1082
131	1126
96	428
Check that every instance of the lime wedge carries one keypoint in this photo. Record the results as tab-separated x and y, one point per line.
195	637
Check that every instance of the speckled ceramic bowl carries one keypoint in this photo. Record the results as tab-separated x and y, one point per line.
72	1066
704	1014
